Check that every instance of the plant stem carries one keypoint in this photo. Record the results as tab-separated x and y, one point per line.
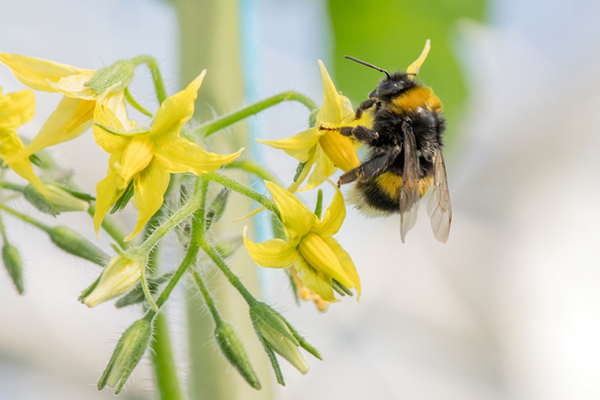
135	104
161	93
245	190
165	369
210	303
12	186
229	119
254	168
26	218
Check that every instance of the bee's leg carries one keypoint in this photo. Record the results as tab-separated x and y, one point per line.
365	105
370	169
360	133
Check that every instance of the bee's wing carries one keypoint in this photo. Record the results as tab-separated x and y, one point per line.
409	193
438	208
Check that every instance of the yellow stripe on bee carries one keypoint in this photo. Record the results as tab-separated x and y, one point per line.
391	184
421	96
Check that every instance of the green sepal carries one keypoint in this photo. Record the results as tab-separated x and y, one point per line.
136	295
115	77
14	265
217	207
127	354
319	205
299	169
39	201
261	313
234	351
122	202
340	289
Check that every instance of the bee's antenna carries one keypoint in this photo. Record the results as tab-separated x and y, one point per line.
368	65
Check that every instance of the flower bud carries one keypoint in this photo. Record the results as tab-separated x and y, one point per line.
73	243
234	351
120	275
13	264
128	353
114	77
58	200
278	335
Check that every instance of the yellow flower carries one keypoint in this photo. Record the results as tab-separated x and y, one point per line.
17	109
306	294
149	156
329	150
311	249
74	113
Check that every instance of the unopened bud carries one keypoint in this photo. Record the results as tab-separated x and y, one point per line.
226	247
217	207
234	351
120	275
73	243
58	200
13	264
128	353
115	77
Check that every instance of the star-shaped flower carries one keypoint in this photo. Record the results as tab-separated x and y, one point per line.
311	249
17	109
148	156
74	113
329	150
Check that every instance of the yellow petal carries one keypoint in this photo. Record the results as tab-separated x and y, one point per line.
11	145
334	216
345	262
322	258
16	109
107	141
116	103
303	174
274	253
297	220
332	111
174	112
37	73
340	150
181	155
298	146
149	190
107	191
416	66
323	170
137	155
74	86
71	118
314	280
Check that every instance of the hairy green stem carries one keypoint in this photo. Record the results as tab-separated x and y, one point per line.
254	168
161	93
229	119
165	368
26	218
12	186
210	303
135	104
245	190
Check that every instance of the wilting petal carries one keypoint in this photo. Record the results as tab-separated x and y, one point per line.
322	258
108	191
323	170
74	86
71	118
274	253
10	144
137	155
334	216
181	155
174	112
37	73
16	109
298	146
345	262
297	220
149	190
314	280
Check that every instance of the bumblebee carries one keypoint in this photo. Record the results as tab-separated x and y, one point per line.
405	155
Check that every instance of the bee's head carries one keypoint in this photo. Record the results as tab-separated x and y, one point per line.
392	86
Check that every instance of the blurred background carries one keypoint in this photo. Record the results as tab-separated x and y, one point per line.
506	309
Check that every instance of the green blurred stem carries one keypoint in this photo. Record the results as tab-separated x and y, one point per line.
254	168
165	368
210	127
245	190
12	186
26	218
161	93
135	104
210	303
